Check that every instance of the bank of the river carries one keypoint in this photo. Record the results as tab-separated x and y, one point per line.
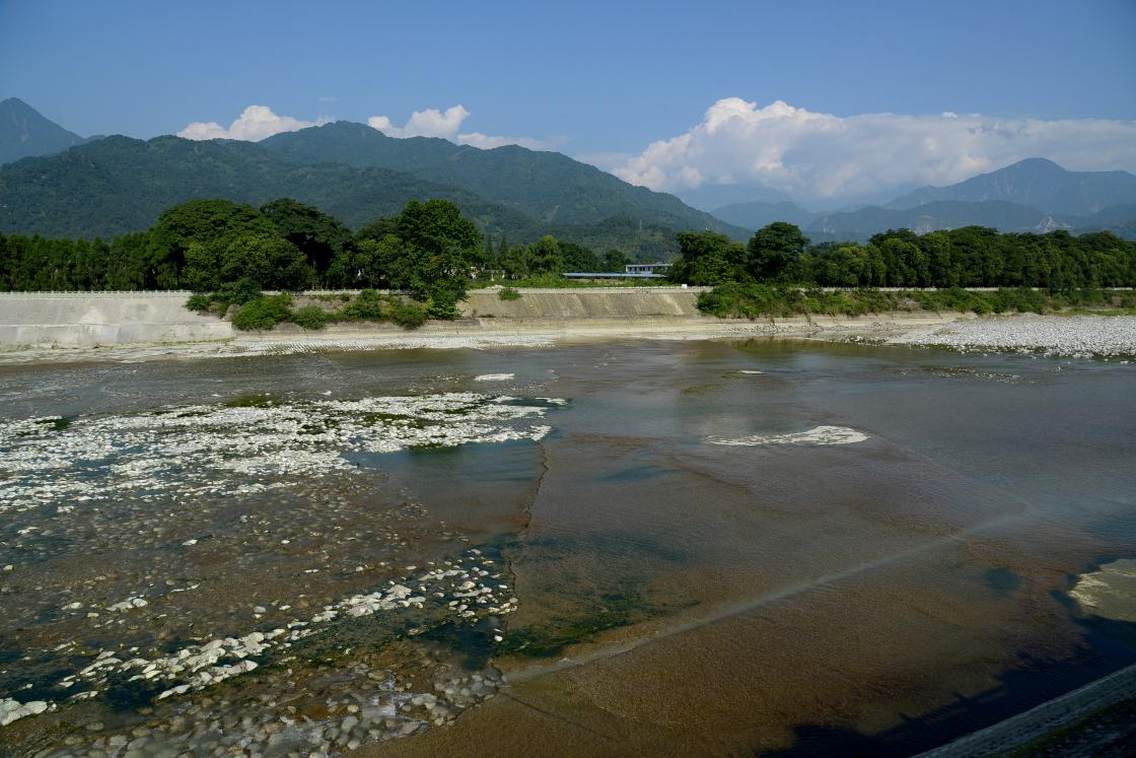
47	327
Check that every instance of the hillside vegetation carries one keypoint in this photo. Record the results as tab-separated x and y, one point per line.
118	185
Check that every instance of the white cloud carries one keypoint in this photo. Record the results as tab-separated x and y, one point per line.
425	123
819	155
255	123
446	124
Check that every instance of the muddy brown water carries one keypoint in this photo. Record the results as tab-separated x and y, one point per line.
674	596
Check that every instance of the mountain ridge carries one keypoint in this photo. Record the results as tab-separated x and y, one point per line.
25	132
1036	182
531	181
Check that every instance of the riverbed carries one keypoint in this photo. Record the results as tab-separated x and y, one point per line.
629	547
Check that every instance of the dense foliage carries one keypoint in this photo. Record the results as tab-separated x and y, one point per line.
753	300
967	257
234	251
266	311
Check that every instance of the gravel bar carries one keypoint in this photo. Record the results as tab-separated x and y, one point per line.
1075	336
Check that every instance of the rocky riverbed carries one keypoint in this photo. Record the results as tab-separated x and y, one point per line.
250	579
1074	336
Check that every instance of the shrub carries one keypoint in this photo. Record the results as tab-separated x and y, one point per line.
368	305
509	293
737	300
443	303
198	302
236	293
263	312
310	317
408	315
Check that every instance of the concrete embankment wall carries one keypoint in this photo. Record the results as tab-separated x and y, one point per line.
573	304
90	319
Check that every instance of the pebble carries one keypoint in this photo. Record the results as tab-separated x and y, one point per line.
1076	336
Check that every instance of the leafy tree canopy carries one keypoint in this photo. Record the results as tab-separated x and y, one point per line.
316	234
708	258
774	249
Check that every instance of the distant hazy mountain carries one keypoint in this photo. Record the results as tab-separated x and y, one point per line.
950	214
753	216
711	196
1037	183
549	187
24	132
1119	219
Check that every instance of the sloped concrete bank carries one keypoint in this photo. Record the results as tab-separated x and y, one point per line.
601	303
85	319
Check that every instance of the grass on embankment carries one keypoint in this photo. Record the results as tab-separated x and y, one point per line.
753	301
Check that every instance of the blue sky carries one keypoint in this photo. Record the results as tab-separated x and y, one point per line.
599	80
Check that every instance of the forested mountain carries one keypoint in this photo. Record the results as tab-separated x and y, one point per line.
1037	183
25	132
995	214
547	186
117	184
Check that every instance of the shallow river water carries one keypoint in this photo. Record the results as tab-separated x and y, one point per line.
626	548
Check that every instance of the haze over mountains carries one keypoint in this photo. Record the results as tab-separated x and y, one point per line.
1033	195
56	183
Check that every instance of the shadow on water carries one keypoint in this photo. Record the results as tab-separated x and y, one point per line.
1109	646
1004	581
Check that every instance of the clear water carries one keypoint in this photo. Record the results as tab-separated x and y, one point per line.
876	597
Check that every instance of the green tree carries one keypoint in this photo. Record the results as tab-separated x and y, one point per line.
614	261
317	235
774	250
579	258
544	256
437	254
270	261
513	260
708	258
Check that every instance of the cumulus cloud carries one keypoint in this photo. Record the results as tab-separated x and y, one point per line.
430	122
446	124
255	123
819	155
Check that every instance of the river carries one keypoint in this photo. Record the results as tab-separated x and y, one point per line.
668	547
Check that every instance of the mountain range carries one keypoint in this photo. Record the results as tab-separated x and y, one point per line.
1037	183
1032	195
117	184
55	183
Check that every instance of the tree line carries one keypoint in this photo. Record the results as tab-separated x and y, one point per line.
429	249
965	257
